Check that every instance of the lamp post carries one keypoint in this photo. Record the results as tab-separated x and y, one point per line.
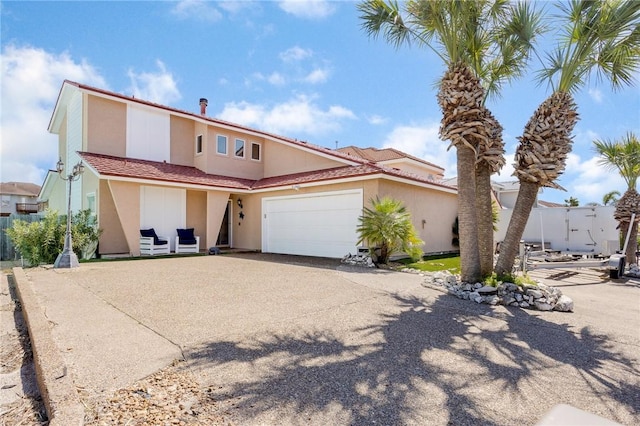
68	259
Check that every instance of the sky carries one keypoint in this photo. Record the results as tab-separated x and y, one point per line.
301	69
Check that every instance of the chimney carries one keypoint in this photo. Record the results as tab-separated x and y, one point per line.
203	106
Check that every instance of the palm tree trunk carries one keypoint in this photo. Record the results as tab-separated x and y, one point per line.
484	214
467	221
632	246
510	246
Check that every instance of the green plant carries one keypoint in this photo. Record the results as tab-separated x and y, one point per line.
41	242
38	242
386	227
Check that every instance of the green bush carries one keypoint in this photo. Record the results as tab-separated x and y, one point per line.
41	242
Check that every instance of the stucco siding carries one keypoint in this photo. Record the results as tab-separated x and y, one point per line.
280	159
113	239
216	206
106	126
229	164
197	214
182	141
433	213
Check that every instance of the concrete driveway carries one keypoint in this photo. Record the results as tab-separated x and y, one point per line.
277	340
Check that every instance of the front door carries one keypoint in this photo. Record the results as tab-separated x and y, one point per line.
223	235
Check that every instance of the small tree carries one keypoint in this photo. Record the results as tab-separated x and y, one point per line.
571	202
387	227
41	242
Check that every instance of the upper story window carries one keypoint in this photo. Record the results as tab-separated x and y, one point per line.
239	148
199	144
255	151
221	145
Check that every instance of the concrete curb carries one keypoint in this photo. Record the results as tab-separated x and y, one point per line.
58	391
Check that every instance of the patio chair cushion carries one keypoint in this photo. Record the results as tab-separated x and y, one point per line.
152	233
185	236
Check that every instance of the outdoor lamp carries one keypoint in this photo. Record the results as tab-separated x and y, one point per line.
68	259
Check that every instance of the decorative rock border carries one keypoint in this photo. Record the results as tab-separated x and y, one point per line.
633	271
359	260
541	297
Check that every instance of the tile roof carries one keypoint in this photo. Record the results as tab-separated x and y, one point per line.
384	154
550	204
108	165
153	170
19	188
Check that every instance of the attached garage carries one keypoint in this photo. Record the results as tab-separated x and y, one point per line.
322	224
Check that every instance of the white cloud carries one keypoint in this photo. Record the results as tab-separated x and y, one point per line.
422	141
588	181
596	95
297	116
295	54
159	87
376	119
31	79
317	76
196	9
311	9
276	79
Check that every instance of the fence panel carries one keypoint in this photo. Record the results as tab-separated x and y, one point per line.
7	249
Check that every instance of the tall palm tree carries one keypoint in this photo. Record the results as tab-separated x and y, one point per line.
610	198
483	44
598	35
624	157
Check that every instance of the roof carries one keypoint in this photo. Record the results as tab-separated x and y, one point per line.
107	165
159	171
549	204
19	188
385	154
63	97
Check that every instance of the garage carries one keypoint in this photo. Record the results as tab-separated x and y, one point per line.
322	224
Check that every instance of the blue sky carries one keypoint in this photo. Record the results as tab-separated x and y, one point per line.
302	69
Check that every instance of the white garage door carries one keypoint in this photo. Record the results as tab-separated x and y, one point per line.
322	224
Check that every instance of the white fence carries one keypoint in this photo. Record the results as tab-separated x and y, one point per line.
572	229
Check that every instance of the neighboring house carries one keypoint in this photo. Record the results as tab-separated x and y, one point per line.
18	198
149	165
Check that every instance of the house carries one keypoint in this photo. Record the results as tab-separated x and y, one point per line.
149	165
18	198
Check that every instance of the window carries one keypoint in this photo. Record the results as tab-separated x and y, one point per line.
239	148
255	151
221	147
199	144
91	203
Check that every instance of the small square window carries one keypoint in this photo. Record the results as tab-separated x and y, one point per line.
255	151
199	144
239	148
221	147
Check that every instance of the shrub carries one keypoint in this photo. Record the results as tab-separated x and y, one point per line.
41	242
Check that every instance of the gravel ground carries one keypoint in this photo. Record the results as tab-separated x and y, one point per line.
168	397
20	401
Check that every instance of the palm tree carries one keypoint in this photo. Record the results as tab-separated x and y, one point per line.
600	35
610	198
386	227
624	157
483	44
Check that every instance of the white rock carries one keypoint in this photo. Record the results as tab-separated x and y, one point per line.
564	304
541	306
509	300
467	287
479	299
518	297
524	305
451	279
477	285
537	294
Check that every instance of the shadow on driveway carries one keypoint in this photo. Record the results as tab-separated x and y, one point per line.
439	362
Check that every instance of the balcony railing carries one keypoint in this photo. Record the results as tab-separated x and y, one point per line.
27	208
